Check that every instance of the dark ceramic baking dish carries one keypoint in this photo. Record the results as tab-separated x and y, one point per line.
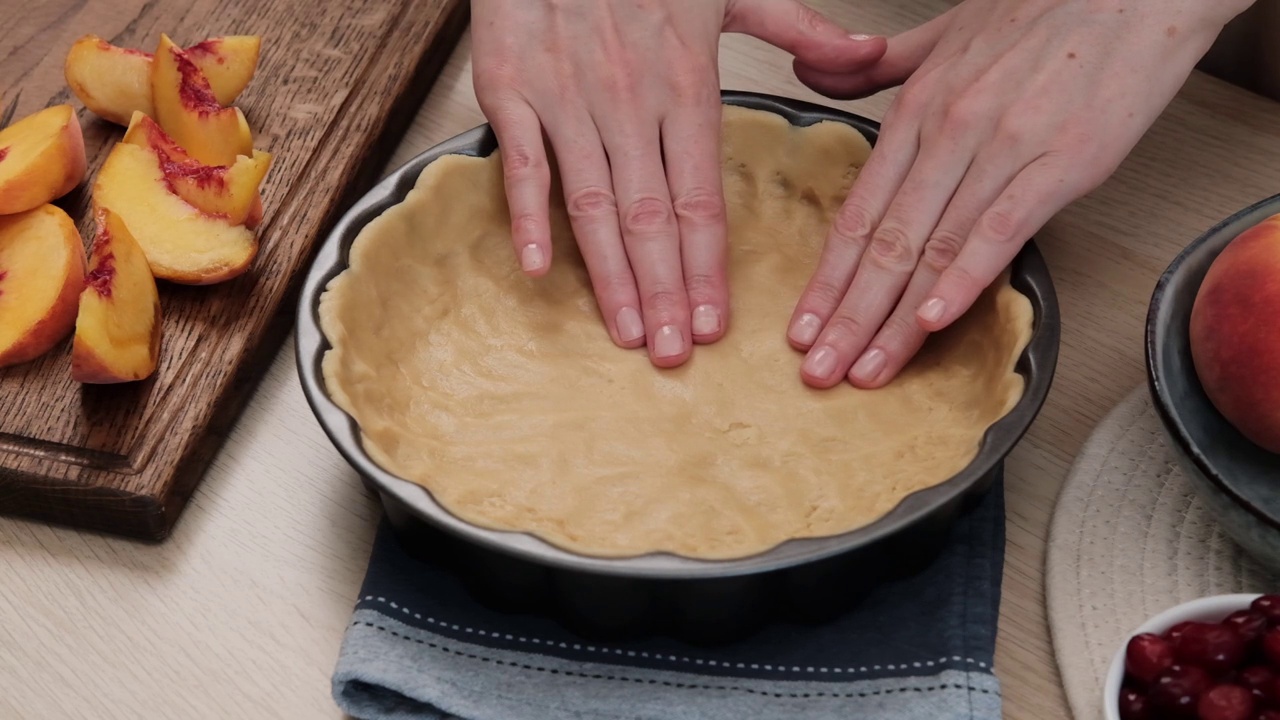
700	600
1238	481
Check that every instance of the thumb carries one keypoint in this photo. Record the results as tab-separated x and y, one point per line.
904	55
814	40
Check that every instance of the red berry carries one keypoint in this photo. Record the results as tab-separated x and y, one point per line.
1176	691
1133	705
1146	655
1271	646
1269	606
1258	679
1250	624
1217	648
1173	633
1225	702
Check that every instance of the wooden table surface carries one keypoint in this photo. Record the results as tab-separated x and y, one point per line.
241	612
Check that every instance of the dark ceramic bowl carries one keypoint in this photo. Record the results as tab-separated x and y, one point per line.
681	596
1238	481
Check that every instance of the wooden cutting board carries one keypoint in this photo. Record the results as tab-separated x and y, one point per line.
337	84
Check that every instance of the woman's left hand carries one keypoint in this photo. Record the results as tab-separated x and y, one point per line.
1011	110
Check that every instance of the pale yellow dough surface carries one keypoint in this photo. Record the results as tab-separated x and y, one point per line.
504	396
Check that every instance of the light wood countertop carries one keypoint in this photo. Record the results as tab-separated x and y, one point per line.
241	612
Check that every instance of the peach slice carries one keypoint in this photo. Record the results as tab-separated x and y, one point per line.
118	328
114	82
111	81
41	159
182	243
229	192
41	273
228	62
188	110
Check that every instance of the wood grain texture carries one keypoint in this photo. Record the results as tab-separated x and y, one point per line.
241	612
336	87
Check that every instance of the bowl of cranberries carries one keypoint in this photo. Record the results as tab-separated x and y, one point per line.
1215	658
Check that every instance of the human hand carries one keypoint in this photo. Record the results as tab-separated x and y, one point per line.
628	96
1013	109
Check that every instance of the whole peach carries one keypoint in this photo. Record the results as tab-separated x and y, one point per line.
1235	333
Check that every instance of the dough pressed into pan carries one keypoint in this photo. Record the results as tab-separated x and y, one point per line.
505	398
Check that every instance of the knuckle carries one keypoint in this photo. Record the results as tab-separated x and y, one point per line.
702	285
700	205
691	83
646	216
520	163
911	100
1012	131
591	202
494	77
662	299
1000	225
891	249
524	227
852	225
620	82
841	328
809	19
825	293
942	249
961	117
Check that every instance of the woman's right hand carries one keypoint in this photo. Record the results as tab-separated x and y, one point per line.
627	93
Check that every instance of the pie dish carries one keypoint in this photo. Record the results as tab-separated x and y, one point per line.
698	598
506	399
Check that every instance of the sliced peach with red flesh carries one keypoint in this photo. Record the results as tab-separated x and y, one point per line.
41	274
114	82
182	243
111	81
229	192
228	62
118	327
188	110
41	159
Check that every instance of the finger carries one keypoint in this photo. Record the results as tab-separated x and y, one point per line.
691	148
805	33
651	238
888	264
903	56
900	338
527	181
902	335
593	216
851	231
1038	192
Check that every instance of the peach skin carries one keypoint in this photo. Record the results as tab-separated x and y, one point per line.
118	328
1235	345
227	192
41	274
182	243
41	159
188	110
114	82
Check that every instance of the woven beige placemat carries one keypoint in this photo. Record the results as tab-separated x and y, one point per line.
1128	539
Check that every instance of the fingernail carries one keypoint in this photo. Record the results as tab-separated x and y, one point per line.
805	329
706	320
820	364
630	327
668	342
869	365
531	258
861	38
932	310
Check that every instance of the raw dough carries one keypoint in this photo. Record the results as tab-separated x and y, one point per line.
506	399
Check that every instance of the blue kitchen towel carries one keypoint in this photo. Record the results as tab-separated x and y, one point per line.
419	648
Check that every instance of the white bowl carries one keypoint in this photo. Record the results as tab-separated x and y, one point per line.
1206	609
